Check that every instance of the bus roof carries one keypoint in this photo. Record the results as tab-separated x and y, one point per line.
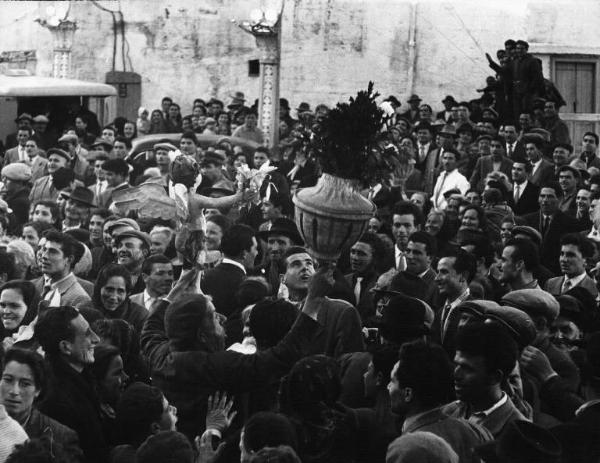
36	86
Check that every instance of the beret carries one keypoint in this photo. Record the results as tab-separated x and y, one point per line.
519	324
534	302
571	308
17	171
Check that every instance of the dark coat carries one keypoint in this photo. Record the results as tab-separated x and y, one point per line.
72	400
18	201
559	225
339	330
39	425
544	174
554	285
365	305
188	378
528	200
461	434
222	283
484	166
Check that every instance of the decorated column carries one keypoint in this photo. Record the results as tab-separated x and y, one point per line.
265	26
62	31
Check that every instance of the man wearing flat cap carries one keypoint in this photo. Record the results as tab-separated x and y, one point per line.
23	120
43	188
133	247
213	175
543	308
15	178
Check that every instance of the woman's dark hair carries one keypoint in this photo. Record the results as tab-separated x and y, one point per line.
33	360
39	227
103	355
107	272
268	429
222	221
30	297
139	406
270	320
480	215
122	335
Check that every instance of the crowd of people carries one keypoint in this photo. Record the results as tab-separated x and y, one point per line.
462	326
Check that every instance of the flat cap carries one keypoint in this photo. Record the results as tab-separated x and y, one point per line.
477	307
534	302
165	146
68	137
530	232
59	152
519	324
41	118
17	171
134	234
126	222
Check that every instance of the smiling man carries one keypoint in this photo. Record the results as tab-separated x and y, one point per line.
68	343
133	247
58	285
157	272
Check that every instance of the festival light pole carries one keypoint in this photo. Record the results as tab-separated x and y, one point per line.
265	25
63	31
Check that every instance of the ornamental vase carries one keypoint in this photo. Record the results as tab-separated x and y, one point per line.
332	216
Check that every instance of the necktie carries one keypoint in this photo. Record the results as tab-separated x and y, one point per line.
401	262
567	285
422	153
510	150
439	191
546	224
47	289
357	289
517	192
149	302
445	313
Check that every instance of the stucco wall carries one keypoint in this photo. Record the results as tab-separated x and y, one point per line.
330	48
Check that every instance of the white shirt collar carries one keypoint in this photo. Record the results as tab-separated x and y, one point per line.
233	262
493	408
575	280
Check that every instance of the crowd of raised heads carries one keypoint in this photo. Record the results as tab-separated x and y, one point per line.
462	326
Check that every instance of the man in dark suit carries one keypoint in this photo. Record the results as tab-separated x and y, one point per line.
425	144
542	171
455	271
412	113
528	80
496	161
552	224
524	199
420	251
24	120
365	255
574	250
515	149
239	248
446	115
568	179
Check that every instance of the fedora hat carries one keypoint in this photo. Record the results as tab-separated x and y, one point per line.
285	227
304	107
237	99
81	195
414	98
